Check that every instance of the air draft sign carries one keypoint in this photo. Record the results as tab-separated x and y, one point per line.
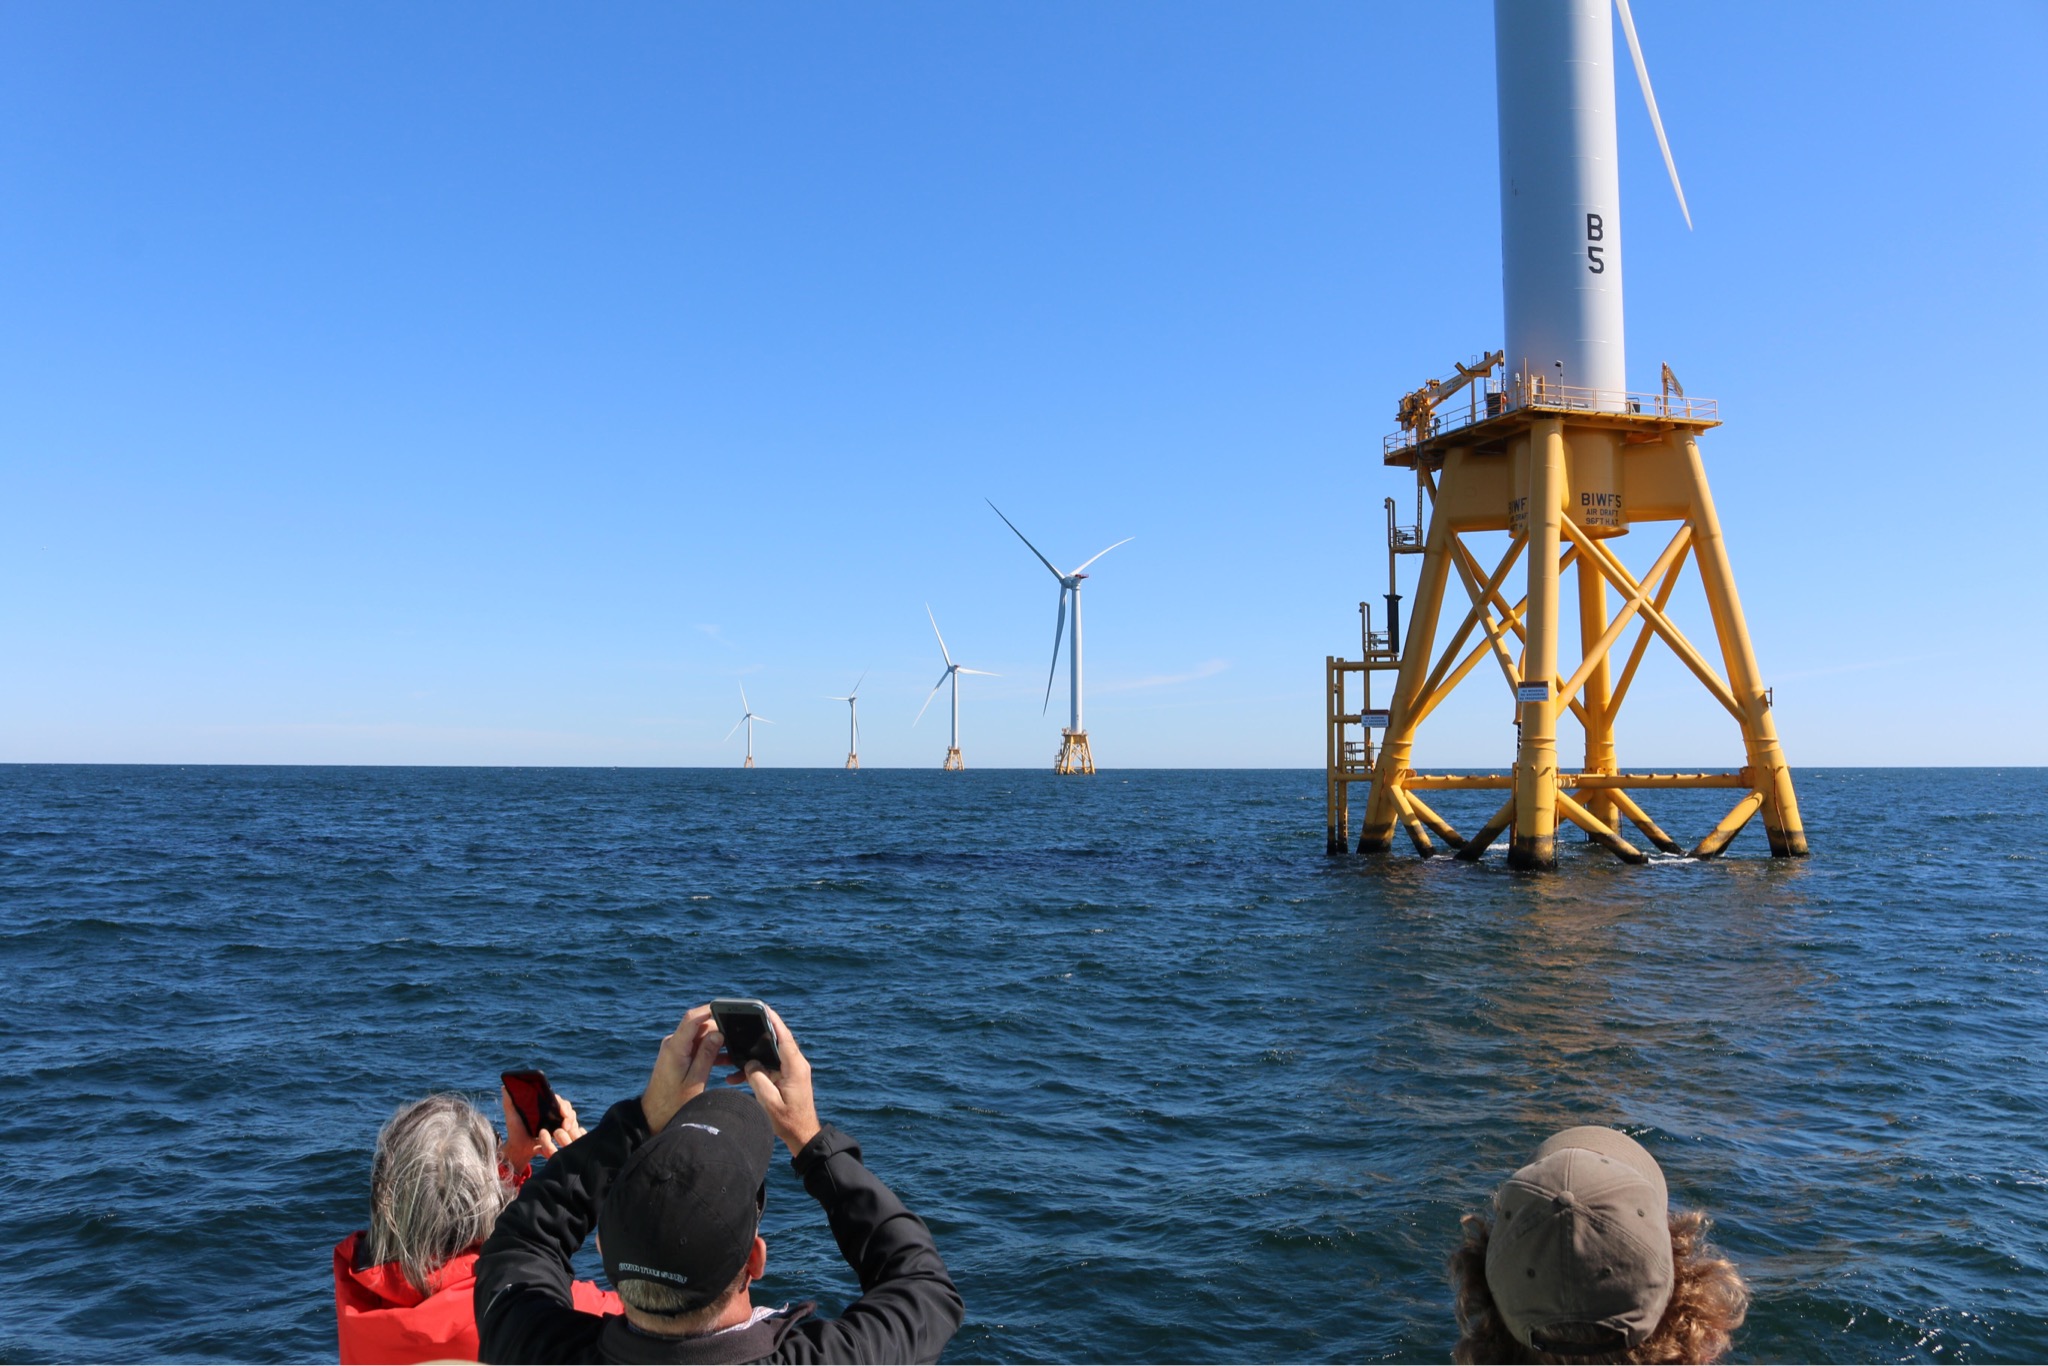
1373	720
1532	692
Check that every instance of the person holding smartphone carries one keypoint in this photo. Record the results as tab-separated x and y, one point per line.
402	1285
674	1182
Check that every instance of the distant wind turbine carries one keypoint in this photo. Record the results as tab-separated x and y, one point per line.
747	719
852	701
952	674
1074	756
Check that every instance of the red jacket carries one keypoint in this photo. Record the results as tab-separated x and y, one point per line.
381	1318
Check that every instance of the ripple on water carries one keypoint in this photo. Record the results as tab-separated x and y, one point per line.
1165	1080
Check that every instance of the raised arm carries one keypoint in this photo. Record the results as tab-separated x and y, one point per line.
525	1310
909	1308
524	1305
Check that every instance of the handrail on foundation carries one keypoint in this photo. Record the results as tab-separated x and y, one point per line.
1541	395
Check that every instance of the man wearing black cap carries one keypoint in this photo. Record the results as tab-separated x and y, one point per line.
675	1182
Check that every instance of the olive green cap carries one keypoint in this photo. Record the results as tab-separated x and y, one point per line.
1582	1237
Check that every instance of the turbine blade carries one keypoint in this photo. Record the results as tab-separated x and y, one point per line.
942	639
1635	50
735	729
1027	541
983	672
744	704
764	720
930	695
856	687
1099	554
1059	629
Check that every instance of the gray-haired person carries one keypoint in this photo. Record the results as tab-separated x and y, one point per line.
403	1285
1584	1260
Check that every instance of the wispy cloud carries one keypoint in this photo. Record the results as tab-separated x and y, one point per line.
1208	670
716	632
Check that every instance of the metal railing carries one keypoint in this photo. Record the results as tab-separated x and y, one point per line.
1541	395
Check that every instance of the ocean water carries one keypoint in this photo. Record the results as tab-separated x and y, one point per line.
1166	1081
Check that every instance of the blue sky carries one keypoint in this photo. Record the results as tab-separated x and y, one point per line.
508	384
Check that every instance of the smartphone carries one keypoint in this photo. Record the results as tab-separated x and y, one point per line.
748	1035
534	1099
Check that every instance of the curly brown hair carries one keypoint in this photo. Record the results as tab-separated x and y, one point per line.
1708	1303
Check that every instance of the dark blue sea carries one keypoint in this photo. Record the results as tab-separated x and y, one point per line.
1167	1081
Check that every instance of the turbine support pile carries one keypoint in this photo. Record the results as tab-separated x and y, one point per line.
1564	477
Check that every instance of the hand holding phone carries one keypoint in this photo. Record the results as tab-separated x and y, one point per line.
748	1035
785	1093
540	1110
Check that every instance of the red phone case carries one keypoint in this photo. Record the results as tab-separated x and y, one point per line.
534	1099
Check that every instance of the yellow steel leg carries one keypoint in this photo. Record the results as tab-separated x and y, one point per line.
1759	731
1642	820
1397	746
1535	839
1489	832
1598	717
1444	829
1730	826
1338	821
1413	823
1598	830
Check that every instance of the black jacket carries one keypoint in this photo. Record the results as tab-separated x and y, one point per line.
907	1312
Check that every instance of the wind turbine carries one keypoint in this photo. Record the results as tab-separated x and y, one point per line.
747	719
953	671
1557	447
852	701
1074	756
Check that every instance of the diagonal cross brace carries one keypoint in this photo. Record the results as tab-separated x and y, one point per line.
1636	601
1510	669
1611	570
1464	632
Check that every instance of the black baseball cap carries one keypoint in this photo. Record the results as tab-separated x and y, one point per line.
684	1209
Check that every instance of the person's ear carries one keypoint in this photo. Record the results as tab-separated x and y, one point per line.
757	1259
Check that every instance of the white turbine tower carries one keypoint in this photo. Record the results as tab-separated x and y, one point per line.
852	701
953	671
1560	194
1074	756
747	719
